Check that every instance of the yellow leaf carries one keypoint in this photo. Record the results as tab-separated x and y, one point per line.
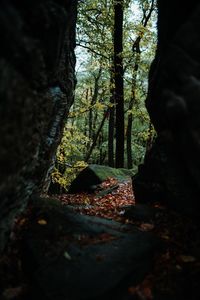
187	258
42	222
99	106
165	237
86	201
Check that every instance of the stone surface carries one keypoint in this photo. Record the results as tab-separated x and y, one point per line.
141	212
36	90
94	175
75	257
171	170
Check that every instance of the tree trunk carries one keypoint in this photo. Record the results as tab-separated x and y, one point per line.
119	84
93	101
130	116
111	127
137	54
129	142
86	130
96	136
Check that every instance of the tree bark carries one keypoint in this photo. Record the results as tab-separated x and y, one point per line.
93	101
137	55
96	136
131	105
119	84
111	127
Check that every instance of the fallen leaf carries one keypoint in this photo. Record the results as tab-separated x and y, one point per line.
67	256
42	222
187	258
132	290
142	292
22	221
165	237
145	293
178	267
146	226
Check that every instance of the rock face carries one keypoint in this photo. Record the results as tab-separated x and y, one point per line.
36	90
171	170
79	257
94	174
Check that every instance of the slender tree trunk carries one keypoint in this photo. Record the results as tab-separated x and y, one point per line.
131	105
137	55
100	142
86	119
97	135
119	85
90	117
129	141
93	101
111	122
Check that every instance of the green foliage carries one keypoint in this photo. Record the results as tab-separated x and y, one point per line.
94	88
95	30
69	156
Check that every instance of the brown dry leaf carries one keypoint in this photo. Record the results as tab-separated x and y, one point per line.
106	237
146	226
107	206
145	294
42	222
142	291
22	221
132	290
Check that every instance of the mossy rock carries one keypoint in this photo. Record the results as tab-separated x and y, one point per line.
94	174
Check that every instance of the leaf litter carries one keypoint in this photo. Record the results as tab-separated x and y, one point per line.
109	206
176	267
180	236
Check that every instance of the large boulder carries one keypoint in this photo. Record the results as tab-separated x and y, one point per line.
36	90
94	174
66	255
171	169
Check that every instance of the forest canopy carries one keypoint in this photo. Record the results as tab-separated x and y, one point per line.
108	123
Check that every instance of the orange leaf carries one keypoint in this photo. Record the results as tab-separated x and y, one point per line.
22	221
146	226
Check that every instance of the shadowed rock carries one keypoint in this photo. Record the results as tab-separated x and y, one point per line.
74	257
36	90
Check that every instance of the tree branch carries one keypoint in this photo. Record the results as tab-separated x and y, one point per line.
92	50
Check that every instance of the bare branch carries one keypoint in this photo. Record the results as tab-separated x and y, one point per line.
92	50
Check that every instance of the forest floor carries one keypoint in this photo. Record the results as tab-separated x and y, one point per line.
176	271
176	268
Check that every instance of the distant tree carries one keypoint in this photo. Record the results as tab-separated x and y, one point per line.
118	82
111	128
147	9
112	67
